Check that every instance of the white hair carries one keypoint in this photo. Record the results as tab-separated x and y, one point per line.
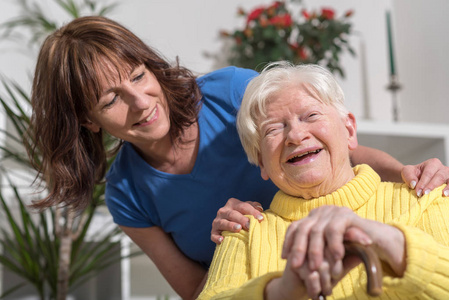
275	77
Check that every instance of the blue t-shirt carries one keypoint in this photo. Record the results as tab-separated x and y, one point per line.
185	205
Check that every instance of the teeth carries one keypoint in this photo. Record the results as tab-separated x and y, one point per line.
149	117
308	152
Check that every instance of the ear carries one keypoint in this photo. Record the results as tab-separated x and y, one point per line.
351	126
263	172
92	126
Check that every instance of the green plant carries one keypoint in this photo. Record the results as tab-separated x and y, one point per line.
34	18
49	249
273	33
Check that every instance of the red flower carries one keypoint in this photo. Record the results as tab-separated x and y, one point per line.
282	20
293	46
327	13
305	14
288	20
302	53
255	14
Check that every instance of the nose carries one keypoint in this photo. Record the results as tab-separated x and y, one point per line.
296	133
136	99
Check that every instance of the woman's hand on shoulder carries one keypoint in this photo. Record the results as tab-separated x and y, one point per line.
231	217
426	176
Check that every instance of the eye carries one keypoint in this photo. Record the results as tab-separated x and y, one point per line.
268	131
109	104
274	129
313	115
138	77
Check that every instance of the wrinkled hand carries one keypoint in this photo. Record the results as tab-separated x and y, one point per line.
324	226
304	283
231	217
426	176
317	241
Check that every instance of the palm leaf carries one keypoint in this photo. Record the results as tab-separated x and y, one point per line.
70	7
21	255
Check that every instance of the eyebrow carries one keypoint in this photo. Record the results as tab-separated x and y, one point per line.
112	88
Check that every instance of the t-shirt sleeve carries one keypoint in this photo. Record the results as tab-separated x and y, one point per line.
239	83
125	209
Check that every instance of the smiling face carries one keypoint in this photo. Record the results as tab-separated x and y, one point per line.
304	143
133	109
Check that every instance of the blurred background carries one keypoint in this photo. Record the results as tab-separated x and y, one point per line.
190	30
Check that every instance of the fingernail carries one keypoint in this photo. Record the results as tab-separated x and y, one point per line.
237	227
366	241
413	184
419	193
220	239
247	225
259	217
259	208
427	192
446	193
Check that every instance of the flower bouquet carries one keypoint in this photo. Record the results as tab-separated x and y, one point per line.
272	33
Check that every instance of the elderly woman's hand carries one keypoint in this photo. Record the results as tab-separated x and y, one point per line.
231	217
304	283
426	176
317	241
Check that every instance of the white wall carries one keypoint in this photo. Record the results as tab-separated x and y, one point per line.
423	65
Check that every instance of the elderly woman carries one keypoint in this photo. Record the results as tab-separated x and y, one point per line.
293	124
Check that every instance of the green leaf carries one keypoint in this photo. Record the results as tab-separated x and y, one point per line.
107	9
70	7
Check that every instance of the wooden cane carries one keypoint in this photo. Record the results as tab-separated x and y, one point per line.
372	266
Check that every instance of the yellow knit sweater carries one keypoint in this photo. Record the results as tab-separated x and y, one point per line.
245	262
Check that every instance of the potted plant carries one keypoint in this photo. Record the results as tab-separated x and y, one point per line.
272	32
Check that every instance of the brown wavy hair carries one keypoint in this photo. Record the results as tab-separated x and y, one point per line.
65	89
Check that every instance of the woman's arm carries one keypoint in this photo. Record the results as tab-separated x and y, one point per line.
423	177
384	164
170	261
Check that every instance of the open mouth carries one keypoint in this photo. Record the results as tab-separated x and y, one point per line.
147	119
303	156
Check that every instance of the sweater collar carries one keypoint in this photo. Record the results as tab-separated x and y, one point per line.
353	194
